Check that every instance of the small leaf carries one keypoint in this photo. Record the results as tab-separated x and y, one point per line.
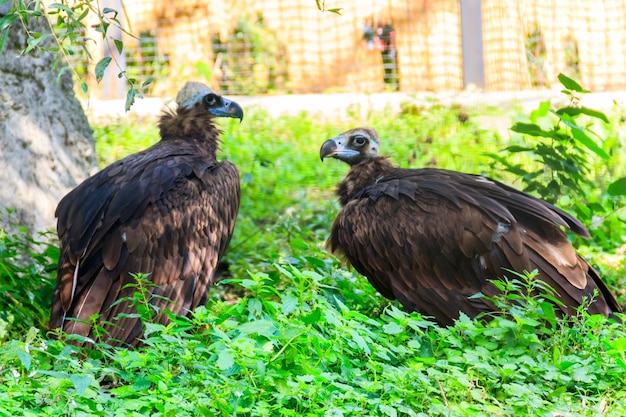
360	341
541	111
83	15
388	410
575	111
130	99
262	327
571	84
7	20
580	135
81	383
289	304
3	39
392	328
617	187
109	10
101	66
530	129
34	41
119	45
336	11
147	82
312	317
25	359
225	360
61	6
84	87
517	148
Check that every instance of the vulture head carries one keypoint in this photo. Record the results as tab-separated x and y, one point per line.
352	146
197	95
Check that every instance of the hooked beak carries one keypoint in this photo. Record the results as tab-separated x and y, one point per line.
228	109
335	148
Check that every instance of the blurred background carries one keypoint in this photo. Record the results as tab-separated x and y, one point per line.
253	47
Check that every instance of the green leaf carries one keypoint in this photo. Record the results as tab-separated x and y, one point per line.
542	111
360	341
7	21
263	327
101	66
392	328
34	41
575	111
225	360
582	137
335	10
109	10
130	98
84	87
119	45
570	84
313	317
289	304
61	71
517	148
81	383
388	410
530	129
617	187
60	6
3	39
25	359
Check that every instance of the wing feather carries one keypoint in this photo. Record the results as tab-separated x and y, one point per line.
171	218
434	238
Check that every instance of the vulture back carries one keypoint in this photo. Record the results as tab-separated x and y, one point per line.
168	211
434	238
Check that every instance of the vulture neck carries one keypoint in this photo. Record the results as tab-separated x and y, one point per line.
362	175
190	124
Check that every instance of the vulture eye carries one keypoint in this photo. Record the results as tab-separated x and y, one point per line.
212	100
359	140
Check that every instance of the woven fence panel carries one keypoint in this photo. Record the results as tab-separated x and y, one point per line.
504	48
429	45
288	46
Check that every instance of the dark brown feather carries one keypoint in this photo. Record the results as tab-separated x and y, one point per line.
434	238
168	211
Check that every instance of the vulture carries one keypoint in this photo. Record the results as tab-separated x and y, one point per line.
168	211
433	238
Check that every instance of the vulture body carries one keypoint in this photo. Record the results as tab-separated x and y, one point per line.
433	238
168	211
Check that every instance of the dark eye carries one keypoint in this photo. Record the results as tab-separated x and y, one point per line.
211	100
359	140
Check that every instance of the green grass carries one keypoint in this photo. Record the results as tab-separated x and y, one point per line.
292	332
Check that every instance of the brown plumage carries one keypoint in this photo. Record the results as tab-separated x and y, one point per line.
168	211
433	238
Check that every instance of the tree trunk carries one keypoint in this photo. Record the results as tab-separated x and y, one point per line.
46	143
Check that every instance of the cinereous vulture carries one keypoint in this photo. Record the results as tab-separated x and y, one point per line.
168	211
433	238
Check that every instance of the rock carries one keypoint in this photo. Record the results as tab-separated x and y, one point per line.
46	143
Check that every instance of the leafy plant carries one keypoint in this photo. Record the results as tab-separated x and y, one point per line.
27	268
560	143
65	37
567	151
